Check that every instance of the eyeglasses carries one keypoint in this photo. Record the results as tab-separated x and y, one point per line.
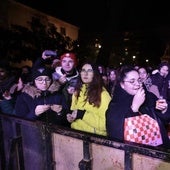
132	81
41	80
86	71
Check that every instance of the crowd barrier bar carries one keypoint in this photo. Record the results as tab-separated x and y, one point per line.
29	145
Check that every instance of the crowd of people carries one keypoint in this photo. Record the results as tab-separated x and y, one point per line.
86	96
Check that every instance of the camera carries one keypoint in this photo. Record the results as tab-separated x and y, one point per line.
50	53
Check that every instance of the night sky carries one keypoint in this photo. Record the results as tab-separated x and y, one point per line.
107	17
96	16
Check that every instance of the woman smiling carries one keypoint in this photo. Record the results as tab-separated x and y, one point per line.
131	100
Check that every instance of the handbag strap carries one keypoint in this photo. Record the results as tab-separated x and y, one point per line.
152	110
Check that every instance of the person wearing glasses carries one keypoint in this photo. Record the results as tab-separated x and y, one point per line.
89	102
64	71
42	99
130	99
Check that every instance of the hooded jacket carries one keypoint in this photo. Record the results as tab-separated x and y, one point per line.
32	97
60	72
69	77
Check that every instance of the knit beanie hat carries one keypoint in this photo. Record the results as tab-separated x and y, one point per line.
42	71
70	55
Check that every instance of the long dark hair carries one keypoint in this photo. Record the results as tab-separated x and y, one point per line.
94	89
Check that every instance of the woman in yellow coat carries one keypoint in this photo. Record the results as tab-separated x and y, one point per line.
89	102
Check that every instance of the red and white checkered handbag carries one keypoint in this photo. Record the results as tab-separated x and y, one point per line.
142	129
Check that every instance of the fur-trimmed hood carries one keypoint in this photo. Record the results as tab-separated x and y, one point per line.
32	91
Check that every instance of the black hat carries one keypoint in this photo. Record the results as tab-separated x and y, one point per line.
42	71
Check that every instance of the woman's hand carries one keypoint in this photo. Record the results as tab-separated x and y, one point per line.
56	108
41	109
162	105
138	100
72	117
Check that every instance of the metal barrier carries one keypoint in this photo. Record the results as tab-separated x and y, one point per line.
29	145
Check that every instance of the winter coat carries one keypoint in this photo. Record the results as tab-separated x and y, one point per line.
93	120
162	84
60	72
70	78
120	108
7	106
31	97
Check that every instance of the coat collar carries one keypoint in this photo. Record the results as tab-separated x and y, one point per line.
32	91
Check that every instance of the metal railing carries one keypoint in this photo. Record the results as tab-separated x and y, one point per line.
30	145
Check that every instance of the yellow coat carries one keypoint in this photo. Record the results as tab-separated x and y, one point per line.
94	119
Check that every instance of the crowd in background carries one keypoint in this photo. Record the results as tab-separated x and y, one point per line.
86	96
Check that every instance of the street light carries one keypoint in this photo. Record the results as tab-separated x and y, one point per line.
134	57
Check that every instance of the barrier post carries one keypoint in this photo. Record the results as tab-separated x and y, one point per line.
85	163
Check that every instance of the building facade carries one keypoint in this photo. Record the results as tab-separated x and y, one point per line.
15	13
